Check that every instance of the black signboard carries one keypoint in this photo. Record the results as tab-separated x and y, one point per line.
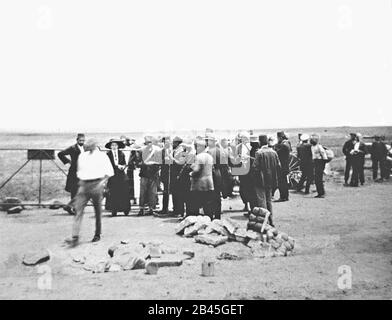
40	154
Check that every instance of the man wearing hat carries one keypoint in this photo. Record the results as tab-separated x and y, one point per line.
265	174
304	153
149	175
118	197
379	159
283	149
166	173
202	183
71	156
347	148
241	168
217	169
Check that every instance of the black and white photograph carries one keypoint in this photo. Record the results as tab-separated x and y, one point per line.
195	150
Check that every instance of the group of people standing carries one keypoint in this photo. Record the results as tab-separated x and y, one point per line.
355	151
198	173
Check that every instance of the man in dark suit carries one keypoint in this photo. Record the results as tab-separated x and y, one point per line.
358	161
283	149
265	173
347	148
379	159
71	156
304	153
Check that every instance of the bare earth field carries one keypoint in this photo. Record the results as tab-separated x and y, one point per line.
351	226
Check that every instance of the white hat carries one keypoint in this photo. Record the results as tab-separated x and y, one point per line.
305	137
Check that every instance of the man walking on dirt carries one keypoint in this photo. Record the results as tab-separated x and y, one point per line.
94	169
71	155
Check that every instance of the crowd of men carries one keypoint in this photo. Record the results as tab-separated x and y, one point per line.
197	173
355	151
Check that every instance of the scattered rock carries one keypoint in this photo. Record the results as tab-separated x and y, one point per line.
228	256
230	225
10	202
56	205
170	260
211	239
34	258
152	268
188	221
189	253
111	250
126	241
13	210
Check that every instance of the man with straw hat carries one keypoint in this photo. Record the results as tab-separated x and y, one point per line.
149	175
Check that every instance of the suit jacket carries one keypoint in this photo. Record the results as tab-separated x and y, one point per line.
379	151
201	178
347	147
283	150
70	155
266	168
304	152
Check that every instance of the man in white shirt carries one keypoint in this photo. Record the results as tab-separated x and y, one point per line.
94	168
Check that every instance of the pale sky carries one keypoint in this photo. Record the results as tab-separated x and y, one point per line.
164	64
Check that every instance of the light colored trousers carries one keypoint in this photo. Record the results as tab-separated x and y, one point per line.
88	190
148	192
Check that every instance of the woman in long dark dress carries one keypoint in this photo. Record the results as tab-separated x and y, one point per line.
118	197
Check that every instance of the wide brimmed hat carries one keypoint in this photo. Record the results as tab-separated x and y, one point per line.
253	138
305	137
210	137
119	142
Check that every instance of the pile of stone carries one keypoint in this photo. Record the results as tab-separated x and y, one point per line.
125	256
272	242
215	232
263	239
12	205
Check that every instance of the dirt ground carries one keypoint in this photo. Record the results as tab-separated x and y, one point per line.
351	226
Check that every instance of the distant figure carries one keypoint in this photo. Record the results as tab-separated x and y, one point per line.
283	149
131	166
216	155
319	158
379	159
94	169
202	183
71	156
265	173
347	148
149	175
242	160
118	198
304	153
358	162
166	173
